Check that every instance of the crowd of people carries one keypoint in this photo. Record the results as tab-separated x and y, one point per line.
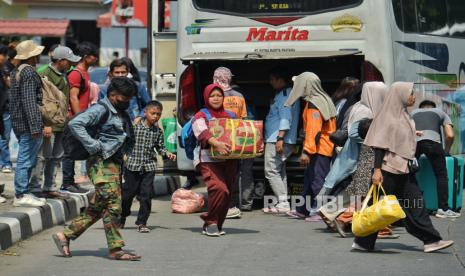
361	136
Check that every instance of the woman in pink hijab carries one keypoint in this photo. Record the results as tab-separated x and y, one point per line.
392	136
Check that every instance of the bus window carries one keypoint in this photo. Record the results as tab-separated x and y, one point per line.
456	18
273	7
433	17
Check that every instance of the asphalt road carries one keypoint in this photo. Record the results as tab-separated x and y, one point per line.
257	244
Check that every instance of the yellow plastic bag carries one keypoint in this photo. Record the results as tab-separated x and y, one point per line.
382	213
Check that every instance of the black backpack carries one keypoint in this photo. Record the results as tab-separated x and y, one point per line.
73	148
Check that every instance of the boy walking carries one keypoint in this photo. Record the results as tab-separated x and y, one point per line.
141	164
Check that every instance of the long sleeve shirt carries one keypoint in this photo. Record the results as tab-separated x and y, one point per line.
149	142
281	118
317	132
25	98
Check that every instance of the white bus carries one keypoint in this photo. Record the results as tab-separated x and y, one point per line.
388	40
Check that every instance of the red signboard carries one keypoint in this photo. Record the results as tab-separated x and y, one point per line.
129	13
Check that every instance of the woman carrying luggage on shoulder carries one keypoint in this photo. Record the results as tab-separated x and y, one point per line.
392	136
219	175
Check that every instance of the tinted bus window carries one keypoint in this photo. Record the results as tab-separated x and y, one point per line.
435	17
250	7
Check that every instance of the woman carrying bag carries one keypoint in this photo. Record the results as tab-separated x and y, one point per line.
392	136
219	175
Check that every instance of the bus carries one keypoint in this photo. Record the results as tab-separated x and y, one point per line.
420	41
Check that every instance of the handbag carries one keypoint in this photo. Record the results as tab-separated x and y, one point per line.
413	166
339	137
379	215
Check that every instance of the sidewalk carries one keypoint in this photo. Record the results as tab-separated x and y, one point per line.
20	223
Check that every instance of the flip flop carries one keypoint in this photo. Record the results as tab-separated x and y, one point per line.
329	223
315	218
270	210
118	256
60	246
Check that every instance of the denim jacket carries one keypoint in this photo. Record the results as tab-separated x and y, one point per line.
137	103
112	134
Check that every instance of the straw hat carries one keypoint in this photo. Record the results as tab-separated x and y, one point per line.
28	49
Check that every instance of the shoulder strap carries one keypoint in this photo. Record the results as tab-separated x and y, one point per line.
105	117
20	69
231	114
82	84
207	113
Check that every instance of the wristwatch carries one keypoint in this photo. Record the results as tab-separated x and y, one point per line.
279	138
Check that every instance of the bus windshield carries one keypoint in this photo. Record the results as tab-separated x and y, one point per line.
273	7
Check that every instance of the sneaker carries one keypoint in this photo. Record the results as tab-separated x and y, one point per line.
446	214
2	199
27	201
143	229
7	169
234	212
56	194
357	247
452	213
432	247
211	230
38	196
74	189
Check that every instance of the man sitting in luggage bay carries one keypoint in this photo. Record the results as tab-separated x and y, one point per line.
428	121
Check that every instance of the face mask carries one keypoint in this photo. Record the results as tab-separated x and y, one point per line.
121	106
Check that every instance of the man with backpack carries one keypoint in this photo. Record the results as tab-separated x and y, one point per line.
106	141
119	68
25	98
51	151
79	95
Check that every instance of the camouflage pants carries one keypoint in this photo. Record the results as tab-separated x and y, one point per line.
105	175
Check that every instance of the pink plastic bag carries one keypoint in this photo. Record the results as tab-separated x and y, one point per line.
186	202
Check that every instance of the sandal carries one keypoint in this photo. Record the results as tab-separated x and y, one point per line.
331	224
142	228
61	245
124	256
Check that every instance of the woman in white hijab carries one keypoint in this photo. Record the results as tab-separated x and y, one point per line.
345	164
392	135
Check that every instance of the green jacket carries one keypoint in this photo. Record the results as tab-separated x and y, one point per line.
60	81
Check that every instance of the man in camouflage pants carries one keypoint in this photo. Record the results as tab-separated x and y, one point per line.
112	140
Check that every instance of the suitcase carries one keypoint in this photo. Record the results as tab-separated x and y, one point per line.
427	183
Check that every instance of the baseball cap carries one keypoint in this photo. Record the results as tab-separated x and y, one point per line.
63	52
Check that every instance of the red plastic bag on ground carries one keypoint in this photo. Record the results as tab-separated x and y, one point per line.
186	202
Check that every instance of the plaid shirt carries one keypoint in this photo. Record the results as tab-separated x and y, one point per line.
25	98
148	142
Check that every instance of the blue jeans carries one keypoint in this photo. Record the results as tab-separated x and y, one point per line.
4	143
26	161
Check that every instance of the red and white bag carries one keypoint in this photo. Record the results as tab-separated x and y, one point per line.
186	202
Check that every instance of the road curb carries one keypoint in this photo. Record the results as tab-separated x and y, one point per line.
21	223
